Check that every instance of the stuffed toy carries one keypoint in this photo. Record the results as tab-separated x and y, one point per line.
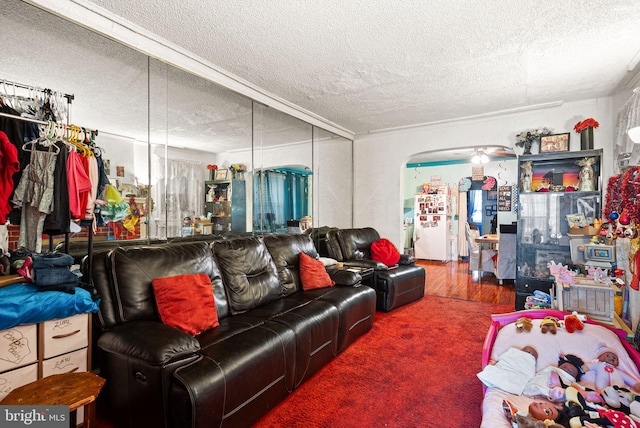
550	324
573	322
523	324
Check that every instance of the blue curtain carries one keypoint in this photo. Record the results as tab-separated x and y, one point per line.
282	195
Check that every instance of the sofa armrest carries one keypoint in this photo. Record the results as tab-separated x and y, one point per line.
366	263
150	341
406	259
344	277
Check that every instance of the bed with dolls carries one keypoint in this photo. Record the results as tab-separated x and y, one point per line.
587	340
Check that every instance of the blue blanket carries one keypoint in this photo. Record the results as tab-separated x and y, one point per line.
24	304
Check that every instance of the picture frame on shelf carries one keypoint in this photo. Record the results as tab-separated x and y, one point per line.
555	143
222	174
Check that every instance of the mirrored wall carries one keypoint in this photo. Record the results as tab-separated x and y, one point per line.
183	155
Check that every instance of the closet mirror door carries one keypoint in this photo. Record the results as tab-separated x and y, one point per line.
108	83
283	179
333	180
200	156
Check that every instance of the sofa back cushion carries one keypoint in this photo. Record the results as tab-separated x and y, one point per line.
353	241
285	251
133	269
249	273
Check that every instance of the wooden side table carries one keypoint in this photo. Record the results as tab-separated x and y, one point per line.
68	389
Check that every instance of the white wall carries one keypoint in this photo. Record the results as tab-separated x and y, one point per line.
380	158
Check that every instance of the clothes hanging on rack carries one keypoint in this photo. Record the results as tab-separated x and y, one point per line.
79	185
34	195
58	221
10	165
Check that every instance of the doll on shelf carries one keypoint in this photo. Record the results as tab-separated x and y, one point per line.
586	175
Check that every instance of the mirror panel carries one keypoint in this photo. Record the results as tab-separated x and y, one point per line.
283	179
333	180
200	150
108	82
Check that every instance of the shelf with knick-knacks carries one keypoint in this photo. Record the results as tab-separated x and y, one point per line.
560	172
552	186
225	205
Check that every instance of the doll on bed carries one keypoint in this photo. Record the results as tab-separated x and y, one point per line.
512	371
576	412
604	372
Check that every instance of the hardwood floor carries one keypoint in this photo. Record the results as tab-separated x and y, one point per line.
453	279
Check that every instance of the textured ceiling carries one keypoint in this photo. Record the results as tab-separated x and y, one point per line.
368	65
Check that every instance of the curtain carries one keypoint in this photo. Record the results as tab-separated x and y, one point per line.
180	194
628	117
283	196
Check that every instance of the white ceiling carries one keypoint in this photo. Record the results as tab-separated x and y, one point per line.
368	65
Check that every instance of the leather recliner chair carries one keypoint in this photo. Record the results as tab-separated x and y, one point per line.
395	285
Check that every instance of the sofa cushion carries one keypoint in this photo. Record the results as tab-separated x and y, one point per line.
355	244
313	274
133	269
285	251
186	302
385	252
249	273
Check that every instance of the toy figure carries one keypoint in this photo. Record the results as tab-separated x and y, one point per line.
577	413
604	372
586	175
526	176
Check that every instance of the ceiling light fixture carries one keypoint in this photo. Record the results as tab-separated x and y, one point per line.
479	157
634	134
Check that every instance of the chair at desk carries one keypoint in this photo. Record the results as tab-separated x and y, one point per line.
471	233
506	267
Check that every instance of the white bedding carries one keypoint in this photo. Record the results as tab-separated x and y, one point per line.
583	343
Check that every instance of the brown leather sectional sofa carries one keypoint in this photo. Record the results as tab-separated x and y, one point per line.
272	335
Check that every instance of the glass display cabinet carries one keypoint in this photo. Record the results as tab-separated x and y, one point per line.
225	205
552	186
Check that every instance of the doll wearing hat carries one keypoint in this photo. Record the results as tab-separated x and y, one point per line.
604	371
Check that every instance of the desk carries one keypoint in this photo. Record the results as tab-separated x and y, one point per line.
491	240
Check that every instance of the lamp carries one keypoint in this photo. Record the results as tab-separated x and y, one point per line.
479	157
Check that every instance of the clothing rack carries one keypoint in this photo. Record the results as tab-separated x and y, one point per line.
94	133
6	82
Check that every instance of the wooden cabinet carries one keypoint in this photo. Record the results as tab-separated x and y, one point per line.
33	351
225	205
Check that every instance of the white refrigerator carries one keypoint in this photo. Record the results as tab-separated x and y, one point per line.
432	227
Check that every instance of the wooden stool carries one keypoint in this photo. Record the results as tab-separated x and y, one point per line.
68	389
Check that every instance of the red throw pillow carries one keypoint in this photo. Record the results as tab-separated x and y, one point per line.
384	251
186	302
313	274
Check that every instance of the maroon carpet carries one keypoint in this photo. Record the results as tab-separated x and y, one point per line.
415	368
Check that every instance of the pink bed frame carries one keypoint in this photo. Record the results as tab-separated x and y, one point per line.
500	320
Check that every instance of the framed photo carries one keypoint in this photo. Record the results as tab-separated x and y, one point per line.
222	174
555	142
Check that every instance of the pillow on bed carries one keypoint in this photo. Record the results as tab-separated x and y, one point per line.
186	302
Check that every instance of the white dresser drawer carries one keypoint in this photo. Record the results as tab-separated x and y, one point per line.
65	335
72	362
18	346
16	378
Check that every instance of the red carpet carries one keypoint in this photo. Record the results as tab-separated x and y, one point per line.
415	368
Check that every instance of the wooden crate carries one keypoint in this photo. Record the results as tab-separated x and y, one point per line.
587	297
